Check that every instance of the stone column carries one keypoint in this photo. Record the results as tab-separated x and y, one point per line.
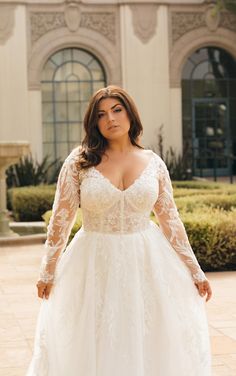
10	152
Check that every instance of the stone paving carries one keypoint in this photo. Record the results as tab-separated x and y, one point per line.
19	306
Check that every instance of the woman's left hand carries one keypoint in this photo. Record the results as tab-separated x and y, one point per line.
204	288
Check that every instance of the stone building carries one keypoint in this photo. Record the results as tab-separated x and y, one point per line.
177	58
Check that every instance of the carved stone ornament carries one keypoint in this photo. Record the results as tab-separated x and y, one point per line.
212	18
104	23
72	17
7	21
144	19
183	22
228	21
43	22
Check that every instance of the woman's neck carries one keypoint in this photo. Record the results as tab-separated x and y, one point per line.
120	146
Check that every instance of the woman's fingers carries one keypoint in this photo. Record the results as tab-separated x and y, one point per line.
48	290
209	292
204	288
44	289
41	289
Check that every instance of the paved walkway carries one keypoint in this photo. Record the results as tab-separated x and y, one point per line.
19	306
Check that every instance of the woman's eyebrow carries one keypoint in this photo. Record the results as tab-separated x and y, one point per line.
117	104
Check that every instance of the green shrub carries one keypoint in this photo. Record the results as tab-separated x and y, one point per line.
191	203
30	203
192	184
212	235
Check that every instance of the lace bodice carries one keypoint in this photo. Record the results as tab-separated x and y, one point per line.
107	209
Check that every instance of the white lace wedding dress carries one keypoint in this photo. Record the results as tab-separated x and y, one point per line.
124	301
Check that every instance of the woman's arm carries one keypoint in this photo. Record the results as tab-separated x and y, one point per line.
171	225
66	203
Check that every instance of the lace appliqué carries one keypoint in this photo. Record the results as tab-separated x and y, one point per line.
171	224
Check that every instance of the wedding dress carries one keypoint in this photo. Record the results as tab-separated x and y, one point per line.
124	301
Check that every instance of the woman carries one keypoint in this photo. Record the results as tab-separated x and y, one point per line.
126	298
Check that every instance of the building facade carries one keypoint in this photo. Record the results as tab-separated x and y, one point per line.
177	59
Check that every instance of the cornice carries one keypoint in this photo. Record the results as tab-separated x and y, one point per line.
103	2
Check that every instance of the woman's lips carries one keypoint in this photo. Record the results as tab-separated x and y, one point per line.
113	127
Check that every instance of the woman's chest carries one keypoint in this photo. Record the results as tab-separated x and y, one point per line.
98	193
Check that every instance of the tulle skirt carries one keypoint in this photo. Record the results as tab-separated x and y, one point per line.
122	305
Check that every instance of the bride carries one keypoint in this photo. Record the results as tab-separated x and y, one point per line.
126	298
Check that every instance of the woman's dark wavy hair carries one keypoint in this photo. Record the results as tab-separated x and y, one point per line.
94	144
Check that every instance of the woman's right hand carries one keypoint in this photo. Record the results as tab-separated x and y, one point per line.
44	289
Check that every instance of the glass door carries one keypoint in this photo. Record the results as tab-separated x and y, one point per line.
211	139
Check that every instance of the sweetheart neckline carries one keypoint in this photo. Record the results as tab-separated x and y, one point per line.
132	184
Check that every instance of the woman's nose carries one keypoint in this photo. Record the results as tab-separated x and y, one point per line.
110	116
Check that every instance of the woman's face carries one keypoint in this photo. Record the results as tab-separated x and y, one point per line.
113	120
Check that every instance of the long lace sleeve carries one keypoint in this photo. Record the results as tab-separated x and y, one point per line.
66	203
171	225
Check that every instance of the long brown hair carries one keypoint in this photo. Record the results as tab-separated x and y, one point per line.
94	144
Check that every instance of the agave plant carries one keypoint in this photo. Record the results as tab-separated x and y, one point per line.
30	172
177	163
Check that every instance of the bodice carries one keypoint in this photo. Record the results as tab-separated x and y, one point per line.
106	208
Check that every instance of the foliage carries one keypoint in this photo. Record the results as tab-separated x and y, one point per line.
208	211
177	164
229	5
212	235
29	172
191	203
29	203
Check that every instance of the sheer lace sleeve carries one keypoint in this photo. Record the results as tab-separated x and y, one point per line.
167	214
66	203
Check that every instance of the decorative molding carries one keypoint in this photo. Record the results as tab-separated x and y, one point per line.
144	17
7	22
184	22
192	41
106	52
228	21
104	23
43	22
72	17
212	18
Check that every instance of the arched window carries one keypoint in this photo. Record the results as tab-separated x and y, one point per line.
209	110
69	79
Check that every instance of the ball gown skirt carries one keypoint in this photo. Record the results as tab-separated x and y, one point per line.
122	305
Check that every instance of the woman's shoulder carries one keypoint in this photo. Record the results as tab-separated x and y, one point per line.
73	157
155	156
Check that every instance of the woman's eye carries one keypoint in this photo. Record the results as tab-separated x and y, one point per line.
117	110
100	115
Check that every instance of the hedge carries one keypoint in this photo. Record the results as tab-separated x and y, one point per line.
191	203
30	203
208	211
212	235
